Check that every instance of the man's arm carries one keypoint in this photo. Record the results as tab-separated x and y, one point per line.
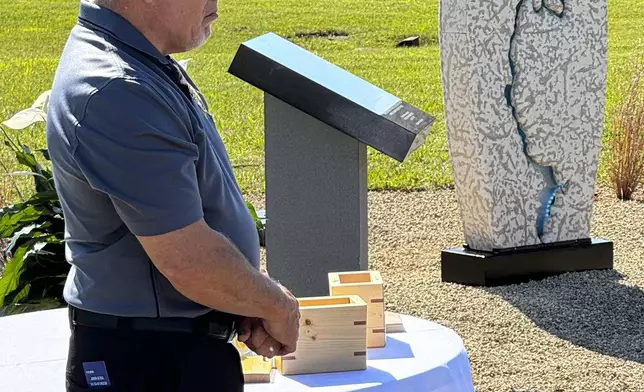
206	267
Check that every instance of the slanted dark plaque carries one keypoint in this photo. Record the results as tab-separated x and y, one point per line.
331	95
319	120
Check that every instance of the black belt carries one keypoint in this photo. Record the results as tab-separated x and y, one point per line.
219	325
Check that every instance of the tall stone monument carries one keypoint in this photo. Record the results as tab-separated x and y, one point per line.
524	92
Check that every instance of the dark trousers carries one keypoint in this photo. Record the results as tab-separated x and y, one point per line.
115	360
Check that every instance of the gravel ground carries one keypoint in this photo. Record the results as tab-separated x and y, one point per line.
576	332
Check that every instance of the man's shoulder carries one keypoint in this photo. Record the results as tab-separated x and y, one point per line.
92	65
101	90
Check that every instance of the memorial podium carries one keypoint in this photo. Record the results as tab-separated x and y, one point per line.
319	121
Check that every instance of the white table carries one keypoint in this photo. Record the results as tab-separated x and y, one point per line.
428	358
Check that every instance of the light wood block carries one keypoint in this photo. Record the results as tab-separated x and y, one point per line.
393	323
333	336
258	369
367	285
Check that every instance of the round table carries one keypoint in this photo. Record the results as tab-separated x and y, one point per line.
427	357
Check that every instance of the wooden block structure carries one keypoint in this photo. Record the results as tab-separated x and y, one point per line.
333	336
368	286
393	323
256	368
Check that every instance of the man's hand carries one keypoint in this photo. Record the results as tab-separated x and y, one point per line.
285	327
273	336
255	337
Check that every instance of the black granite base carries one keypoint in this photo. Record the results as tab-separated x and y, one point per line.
516	265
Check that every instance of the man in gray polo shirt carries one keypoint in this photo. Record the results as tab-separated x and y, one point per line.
164	252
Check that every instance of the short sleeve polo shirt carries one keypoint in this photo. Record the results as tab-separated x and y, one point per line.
134	151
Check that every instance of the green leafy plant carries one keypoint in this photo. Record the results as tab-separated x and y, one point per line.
34	270
258	224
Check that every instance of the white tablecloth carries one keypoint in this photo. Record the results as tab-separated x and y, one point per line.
428	357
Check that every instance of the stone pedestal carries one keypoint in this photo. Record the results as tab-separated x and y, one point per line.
316	200
319	121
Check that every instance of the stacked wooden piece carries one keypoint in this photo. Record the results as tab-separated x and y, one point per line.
333	336
256	368
368	286
335	330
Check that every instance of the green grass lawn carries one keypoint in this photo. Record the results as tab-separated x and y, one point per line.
32	36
